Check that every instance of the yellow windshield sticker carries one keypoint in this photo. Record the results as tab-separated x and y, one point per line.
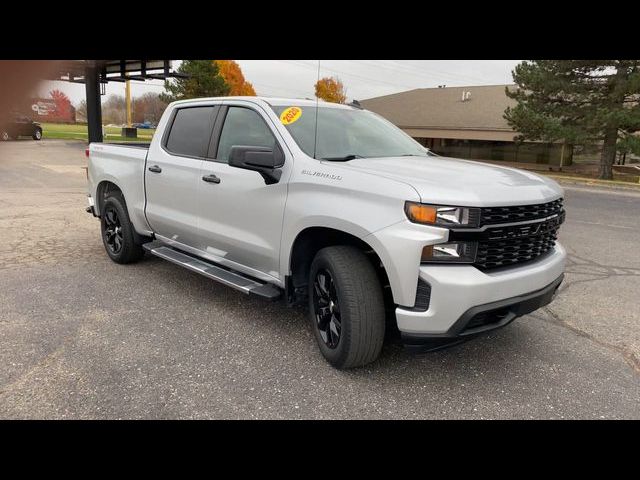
290	115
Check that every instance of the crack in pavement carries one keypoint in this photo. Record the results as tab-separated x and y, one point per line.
585	266
628	356
599	272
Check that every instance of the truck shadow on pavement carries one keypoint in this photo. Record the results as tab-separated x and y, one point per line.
291	323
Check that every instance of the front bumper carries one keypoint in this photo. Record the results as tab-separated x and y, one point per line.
459	293
489	316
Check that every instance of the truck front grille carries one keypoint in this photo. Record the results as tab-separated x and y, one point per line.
500	253
519	213
513	235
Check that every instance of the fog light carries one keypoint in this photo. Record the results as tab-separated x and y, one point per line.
452	252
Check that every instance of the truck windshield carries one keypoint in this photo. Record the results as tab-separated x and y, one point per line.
346	134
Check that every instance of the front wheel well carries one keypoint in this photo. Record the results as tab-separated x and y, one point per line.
309	242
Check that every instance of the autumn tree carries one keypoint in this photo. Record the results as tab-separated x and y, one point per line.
63	104
202	79
114	110
331	89
581	102
81	111
232	74
148	107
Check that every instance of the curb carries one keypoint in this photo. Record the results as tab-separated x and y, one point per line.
592	182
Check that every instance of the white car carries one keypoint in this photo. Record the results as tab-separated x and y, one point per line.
332	206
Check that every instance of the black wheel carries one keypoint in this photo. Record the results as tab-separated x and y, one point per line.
117	232
346	307
37	135
4	136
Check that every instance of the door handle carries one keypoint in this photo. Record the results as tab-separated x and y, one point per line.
211	178
155	169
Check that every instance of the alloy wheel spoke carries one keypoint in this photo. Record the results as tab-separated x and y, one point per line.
334	327
326	308
113	230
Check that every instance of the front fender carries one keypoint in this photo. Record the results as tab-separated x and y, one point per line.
399	247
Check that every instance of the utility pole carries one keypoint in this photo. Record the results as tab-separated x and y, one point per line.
128	96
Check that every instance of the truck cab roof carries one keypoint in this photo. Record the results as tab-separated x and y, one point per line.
273	101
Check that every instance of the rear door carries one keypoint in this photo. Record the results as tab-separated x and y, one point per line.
172	174
240	215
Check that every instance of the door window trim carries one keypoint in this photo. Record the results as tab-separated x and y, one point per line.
167	131
212	152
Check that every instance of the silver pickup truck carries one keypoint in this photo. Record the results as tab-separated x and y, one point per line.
333	207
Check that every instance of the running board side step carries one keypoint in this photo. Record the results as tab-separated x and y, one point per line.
209	269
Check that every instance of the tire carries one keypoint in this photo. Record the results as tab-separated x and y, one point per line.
356	307
117	231
4	136
37	135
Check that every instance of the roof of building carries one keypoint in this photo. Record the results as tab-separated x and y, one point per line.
444	108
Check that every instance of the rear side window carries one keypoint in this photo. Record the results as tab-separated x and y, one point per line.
190	131
243	126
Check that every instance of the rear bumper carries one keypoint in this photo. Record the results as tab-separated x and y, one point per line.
489	316
459	289
92	207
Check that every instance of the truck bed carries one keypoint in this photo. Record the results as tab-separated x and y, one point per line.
123	164
144	145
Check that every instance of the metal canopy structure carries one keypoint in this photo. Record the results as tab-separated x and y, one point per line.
95	74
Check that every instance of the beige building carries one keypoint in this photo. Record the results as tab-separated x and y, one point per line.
464	122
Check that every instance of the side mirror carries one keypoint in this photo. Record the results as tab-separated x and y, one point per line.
265	161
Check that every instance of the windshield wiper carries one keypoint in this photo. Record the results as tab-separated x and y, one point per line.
346	158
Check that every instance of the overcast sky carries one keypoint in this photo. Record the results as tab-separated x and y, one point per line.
361	78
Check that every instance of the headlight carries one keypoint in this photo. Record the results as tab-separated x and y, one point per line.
452	252
441	215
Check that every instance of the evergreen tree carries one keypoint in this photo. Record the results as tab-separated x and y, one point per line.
580	102
202	79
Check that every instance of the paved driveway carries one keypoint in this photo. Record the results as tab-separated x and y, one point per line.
82	337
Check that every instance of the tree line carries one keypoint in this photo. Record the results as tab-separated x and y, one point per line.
219	78
147	107
204	78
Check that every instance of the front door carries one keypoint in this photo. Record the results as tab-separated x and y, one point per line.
172	174
241	216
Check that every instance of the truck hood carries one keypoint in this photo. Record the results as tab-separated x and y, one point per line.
451	181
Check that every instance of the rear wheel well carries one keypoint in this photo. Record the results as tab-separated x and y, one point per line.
104	190
108	189
309	242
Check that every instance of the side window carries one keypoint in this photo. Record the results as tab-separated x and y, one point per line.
190	131
243	126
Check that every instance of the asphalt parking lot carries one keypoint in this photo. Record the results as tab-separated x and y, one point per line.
83	337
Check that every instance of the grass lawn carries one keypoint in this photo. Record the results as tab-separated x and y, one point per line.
79	132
